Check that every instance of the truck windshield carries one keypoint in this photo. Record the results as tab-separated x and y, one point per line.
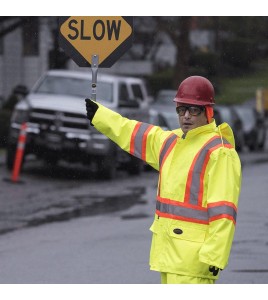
74	87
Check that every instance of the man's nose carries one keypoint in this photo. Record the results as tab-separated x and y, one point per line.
187	114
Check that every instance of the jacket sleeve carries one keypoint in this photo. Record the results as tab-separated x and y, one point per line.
139	139
223	189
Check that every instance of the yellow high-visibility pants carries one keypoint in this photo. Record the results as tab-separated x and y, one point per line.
169	278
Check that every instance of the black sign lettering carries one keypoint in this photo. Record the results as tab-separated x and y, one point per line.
101	28
74	29
111	28
84	37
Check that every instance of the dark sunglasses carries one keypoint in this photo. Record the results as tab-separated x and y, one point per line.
193	110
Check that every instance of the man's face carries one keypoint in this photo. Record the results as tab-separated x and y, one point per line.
191	116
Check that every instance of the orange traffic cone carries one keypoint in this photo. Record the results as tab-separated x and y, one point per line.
19	153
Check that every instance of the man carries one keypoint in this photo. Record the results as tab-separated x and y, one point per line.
198	187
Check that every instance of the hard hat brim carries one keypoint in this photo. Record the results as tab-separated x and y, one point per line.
192	101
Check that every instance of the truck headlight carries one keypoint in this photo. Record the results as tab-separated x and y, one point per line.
20	116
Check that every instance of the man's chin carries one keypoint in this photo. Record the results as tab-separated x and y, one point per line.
186	128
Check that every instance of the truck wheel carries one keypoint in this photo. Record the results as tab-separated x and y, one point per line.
106	168
262	141
10	156
135	166
51	161
252	147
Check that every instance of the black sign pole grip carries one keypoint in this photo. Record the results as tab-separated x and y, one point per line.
94	68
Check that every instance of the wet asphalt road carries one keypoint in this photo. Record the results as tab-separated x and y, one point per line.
42	195
70	192
46	254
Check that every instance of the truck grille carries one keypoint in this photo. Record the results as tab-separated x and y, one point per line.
61	121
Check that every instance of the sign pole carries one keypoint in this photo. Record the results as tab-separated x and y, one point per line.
94	69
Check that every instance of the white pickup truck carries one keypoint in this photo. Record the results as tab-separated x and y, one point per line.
57	127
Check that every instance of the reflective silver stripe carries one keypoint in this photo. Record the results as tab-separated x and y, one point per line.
138	139
168	143
183	211
21	145
23	132
203	216
216	211
195	183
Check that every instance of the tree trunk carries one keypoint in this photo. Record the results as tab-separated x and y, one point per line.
183	51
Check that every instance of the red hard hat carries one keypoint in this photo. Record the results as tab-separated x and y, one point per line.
195	90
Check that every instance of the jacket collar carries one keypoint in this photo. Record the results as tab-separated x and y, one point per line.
196	131
224	130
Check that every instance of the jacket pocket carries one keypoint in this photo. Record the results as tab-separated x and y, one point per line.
154	227
187	233
157	245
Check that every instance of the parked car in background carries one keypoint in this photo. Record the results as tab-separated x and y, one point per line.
58	129
253	125
167	120
162	110
225	113
165	97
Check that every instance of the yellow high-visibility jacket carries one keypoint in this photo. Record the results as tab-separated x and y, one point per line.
197	195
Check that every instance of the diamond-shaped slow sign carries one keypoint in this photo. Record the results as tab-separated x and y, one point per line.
107	37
